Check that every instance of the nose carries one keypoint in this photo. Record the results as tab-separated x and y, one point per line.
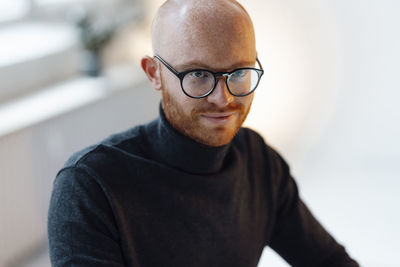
220	96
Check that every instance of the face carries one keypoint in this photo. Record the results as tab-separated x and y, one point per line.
215	119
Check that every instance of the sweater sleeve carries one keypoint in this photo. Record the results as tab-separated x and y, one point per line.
297	236
81	230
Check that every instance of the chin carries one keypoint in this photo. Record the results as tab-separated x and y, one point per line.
213	137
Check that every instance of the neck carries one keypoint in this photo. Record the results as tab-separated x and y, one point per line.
179	151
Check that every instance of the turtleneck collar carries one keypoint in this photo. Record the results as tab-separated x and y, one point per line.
172	148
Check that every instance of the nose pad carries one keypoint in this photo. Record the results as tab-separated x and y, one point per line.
221	94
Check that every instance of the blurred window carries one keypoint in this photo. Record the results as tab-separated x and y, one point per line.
27	40
29	37
14	9
46	2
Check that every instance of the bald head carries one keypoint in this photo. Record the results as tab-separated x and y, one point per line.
184	26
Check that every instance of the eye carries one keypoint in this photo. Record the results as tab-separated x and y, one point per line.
198	74
239	73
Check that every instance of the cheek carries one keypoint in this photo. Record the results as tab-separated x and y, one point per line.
170	82
247	100
184	102
172	87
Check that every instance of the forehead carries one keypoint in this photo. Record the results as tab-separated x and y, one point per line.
217	49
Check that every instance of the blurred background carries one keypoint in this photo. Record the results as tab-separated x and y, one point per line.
70	76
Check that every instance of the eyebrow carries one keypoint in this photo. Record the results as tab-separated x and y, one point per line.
195	64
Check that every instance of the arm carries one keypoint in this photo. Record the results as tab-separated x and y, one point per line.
81	226
297	236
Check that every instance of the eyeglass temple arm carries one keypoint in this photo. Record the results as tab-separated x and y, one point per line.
167	65
259	63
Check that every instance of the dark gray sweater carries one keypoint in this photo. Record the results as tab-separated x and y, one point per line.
153	197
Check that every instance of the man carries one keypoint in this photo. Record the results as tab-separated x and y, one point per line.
190	188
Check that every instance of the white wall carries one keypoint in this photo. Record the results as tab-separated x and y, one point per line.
330	65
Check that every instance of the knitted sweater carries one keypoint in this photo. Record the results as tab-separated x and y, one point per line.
151	196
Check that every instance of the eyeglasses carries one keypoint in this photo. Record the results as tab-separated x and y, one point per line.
199	83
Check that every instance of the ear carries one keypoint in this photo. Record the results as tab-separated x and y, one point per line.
152	71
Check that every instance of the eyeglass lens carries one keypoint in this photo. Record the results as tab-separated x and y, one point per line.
240	82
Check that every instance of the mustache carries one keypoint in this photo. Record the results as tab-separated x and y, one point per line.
231	107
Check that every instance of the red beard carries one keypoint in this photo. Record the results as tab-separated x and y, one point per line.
192	126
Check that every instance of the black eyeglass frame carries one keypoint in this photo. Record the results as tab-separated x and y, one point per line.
182	74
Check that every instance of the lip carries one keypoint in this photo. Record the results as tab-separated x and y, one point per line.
218	117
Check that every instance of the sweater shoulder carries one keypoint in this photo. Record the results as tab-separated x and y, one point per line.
260	151
254	141
251	135
125	142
